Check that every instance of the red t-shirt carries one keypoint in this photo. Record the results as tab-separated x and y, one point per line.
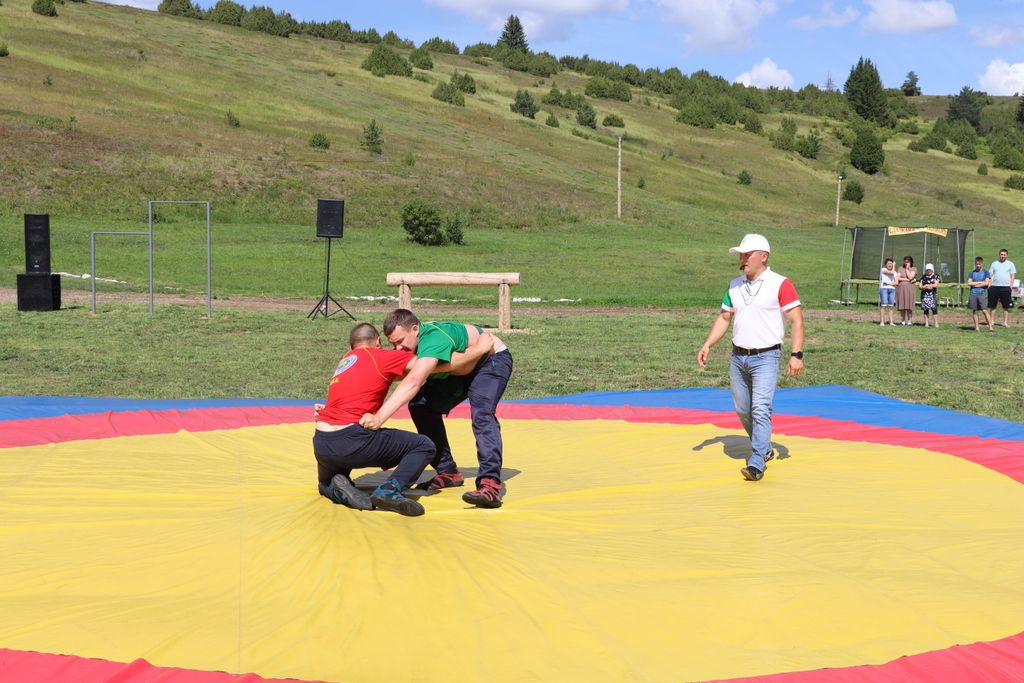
361	382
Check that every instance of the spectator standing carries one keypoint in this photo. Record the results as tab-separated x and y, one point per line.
1003	273
979	281
905	291
930	295
887	291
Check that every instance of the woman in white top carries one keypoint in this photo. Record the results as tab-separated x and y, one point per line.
887	280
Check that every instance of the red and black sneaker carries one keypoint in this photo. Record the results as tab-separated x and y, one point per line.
487	494
443	480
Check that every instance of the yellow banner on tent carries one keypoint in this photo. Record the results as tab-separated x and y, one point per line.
941	232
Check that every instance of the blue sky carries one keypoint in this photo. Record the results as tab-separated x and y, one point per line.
786	43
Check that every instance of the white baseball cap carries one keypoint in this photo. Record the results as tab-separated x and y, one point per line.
929	266
751	242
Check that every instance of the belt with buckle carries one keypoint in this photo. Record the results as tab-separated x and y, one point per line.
739	350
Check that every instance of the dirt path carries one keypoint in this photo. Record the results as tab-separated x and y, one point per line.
79	297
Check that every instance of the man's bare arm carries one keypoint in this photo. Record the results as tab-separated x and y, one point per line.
718	330
406	390
795	316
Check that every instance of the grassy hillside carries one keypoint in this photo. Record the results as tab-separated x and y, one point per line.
105	107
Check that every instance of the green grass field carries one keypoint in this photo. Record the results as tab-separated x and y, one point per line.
106	107
177	353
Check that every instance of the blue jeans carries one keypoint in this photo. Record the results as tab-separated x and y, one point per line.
753	381
886	296
484	387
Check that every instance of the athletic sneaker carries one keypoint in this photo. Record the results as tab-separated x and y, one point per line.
342	491
751	473
770	456
443	480
487	494
388	496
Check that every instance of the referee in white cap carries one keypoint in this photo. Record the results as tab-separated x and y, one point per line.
756	304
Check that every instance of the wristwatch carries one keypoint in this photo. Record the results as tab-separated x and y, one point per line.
798	354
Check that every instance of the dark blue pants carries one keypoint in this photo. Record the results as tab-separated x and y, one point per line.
347	449
484	388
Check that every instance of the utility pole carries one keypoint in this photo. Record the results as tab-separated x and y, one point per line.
618	185
839	187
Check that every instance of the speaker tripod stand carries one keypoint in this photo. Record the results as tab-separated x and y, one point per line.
323	307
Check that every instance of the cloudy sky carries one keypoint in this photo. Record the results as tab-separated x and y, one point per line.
786	43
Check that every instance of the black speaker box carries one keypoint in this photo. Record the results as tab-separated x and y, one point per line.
38	292
330	217
37	243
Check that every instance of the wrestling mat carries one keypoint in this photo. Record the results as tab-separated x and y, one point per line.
184	542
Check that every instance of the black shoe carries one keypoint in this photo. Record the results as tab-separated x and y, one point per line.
396	502
770	456
343	492
751	473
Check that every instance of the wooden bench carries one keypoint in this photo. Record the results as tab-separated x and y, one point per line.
504	281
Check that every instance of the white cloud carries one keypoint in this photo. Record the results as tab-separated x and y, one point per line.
1001	78
997	36
828	18
718	24
542	19
765	75
909	16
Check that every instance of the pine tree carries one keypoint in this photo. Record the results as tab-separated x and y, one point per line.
514	36
867	153
1020	113
967	105
864	92
910	87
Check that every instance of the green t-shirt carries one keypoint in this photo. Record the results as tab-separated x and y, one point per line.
441	340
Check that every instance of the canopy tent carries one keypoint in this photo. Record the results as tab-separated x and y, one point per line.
868	247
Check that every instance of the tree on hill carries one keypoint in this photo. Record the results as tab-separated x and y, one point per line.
864	92
44	8
514	36
524	104
1019	118
967	105
226	12
867	153
383	61
910	87
438	44
180	8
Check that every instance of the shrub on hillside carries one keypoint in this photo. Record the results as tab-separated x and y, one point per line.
440	45
808	146
3	49
853	192
551	120
420	59
226	12
967	151
478	50
641	183
453	230
383	61
751	121
319	141
613	120
446	92
524	104
45	8
696	112
1009	158
909	127
566	99
372	139
232	120
264	20
919	145
608	89
542	64
1015	182
586	116
867	154
982	169
464	82
744	178
422	223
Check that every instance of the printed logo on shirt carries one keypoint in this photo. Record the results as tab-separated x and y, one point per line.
345	364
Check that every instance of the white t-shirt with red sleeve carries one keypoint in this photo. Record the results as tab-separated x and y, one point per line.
360	383
759	308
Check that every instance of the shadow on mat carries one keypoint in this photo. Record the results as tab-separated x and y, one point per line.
738	447
372	480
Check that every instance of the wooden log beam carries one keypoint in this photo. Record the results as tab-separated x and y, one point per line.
451	279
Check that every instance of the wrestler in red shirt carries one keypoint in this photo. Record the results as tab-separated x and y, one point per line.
359	386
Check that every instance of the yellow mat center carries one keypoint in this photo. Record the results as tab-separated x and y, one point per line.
622	553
